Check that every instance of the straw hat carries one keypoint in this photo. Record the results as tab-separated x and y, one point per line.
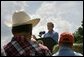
20	18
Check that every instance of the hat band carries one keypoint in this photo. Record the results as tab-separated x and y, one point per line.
22	28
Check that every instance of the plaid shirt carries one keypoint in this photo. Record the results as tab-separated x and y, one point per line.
20	47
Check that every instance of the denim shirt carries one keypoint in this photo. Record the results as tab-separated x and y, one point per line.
66	51
53	35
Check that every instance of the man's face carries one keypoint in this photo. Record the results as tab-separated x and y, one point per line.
50	26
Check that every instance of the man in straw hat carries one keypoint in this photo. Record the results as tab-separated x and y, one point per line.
21	43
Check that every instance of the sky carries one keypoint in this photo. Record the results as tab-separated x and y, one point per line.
66	15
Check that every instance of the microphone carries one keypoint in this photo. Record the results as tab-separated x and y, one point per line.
41	33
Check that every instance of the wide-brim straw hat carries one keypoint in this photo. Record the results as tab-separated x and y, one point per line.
20	18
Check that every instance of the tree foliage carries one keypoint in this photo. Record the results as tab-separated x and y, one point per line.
79	34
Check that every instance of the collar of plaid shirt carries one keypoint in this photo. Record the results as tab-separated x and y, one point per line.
19	46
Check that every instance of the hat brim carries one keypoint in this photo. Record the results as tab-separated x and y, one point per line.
34	22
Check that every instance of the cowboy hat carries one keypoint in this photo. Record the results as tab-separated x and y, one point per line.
20	18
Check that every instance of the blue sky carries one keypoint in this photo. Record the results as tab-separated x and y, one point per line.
66	15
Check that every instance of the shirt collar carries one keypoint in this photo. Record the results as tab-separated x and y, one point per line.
65	47
19	38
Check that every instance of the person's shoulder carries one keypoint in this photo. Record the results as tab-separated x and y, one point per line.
46	34
77	54
7	45
55	32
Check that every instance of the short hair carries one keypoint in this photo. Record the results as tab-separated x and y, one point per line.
50	23
22	28
66	38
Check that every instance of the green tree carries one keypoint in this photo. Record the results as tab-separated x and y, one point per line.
79	34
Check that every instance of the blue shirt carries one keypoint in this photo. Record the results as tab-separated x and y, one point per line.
53	35
66	51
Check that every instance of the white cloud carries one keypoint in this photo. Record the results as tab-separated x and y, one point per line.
66	15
